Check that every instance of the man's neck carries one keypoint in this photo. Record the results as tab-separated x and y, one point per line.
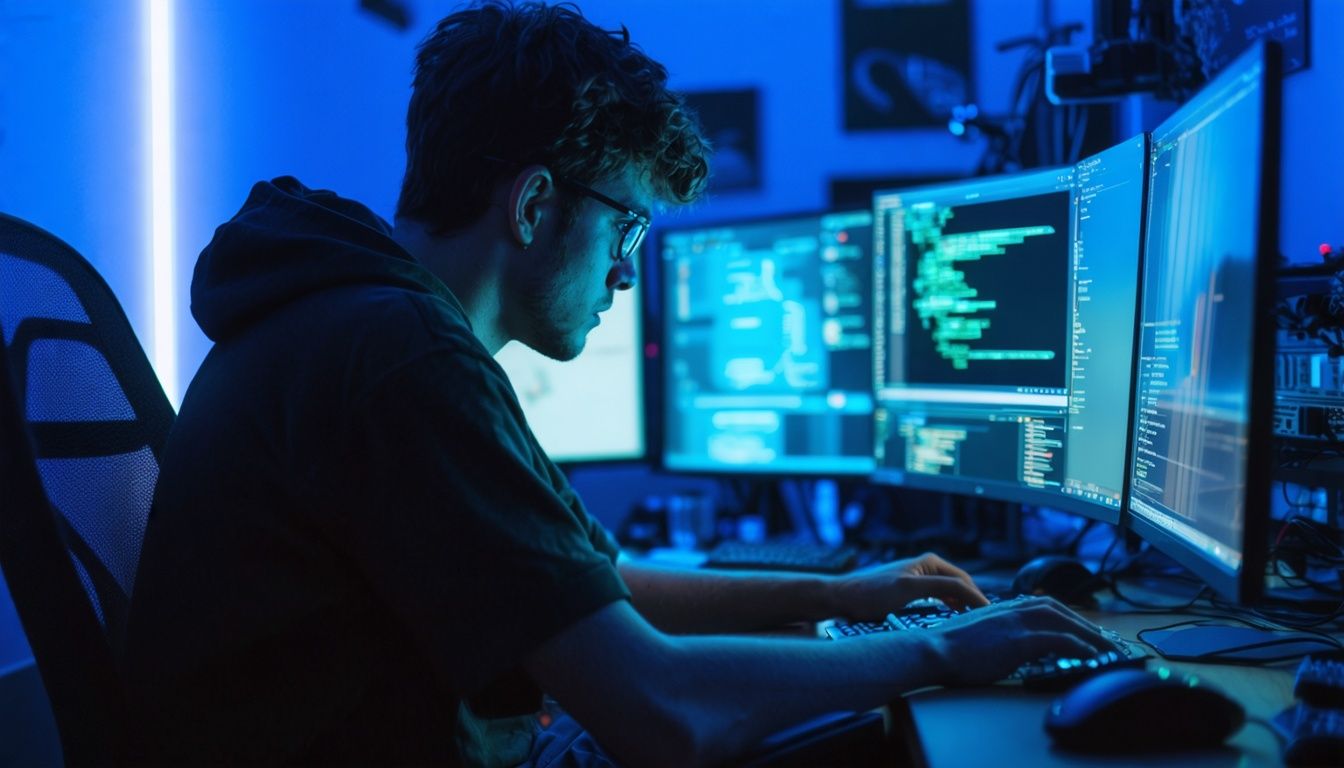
466	261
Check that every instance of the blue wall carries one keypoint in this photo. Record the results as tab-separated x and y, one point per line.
71	136
317	89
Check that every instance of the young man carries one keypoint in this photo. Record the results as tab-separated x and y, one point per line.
359	553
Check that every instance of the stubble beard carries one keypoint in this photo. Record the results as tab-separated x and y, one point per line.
544	299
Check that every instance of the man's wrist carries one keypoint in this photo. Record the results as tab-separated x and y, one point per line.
829	600
937	658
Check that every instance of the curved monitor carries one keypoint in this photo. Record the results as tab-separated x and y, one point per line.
767	346
1201	454
1004	326
591	408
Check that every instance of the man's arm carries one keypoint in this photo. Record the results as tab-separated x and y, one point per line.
657	699
684	601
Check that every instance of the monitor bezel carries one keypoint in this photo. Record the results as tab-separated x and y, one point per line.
1013	493
658	450
1248	583
997	491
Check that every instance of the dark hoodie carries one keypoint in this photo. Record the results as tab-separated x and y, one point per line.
355	533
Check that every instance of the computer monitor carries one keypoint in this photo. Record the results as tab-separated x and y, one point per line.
1005	314
767	346
1201	452
591	408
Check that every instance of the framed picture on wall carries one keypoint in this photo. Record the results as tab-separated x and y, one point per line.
1222	29
731	120
906	63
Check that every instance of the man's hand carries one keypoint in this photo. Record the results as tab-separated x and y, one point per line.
983	646
873	593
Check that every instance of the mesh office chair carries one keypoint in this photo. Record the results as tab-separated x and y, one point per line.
82	420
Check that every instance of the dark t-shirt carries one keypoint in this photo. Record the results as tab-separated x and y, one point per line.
355	542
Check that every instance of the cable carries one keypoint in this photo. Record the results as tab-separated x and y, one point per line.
1105	556
1157	608
1072	547
1228	655
1293	579
1282	617
1320	536
1300	543
1283	488
1077	133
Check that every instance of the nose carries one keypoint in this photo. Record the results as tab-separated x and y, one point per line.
623	275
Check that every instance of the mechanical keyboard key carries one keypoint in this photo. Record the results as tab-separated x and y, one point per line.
1061	674
1046	674
1317	737
839	630
1320	682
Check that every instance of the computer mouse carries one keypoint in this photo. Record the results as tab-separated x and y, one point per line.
1131	710
1064	578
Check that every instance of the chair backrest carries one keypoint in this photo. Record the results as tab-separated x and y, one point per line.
82	421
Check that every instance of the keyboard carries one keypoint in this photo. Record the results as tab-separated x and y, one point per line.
1050	673
1320	682
781	556
1315	736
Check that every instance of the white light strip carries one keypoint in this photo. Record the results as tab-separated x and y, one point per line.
934	395
159	67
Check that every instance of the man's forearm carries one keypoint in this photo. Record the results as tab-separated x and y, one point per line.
747	688
684	601
658	699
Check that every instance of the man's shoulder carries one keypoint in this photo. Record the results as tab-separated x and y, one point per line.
338	345
386	326
397	310
392	336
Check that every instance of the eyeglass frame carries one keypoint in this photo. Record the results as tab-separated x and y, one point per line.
638	223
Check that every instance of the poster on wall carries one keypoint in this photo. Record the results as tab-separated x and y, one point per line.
730	120
1222	29
906	64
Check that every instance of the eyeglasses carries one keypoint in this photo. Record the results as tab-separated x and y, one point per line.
633	227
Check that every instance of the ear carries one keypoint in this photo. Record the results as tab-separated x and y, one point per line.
532	189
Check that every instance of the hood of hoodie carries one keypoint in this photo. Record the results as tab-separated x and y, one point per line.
288	242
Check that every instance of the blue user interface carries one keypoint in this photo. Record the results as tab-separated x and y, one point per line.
1202	305
1004	332
768	346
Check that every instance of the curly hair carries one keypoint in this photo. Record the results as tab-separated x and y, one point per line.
538	84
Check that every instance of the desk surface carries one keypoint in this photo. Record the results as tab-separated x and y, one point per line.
1003	725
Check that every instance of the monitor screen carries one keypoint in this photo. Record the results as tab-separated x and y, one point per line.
1005	333
1200	451
767	346
590	408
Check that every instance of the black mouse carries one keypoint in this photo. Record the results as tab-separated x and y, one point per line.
1064	578
1130	710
